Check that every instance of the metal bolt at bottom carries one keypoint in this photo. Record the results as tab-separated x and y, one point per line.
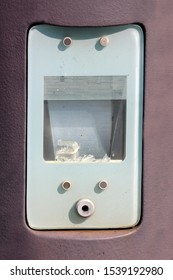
66	185
103	184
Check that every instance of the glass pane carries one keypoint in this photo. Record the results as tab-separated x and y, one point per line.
84	118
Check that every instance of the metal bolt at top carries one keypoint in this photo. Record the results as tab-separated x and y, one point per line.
67	41
104	41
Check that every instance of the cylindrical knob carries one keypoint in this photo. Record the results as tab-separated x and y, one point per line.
85	207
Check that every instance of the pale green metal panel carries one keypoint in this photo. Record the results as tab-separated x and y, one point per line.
49	206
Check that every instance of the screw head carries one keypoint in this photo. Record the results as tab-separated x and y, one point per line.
67	41
104	41
103	184
66	185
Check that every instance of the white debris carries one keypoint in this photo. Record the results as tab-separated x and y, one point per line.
67	151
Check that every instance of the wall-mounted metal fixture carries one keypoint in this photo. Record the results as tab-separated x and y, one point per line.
84	124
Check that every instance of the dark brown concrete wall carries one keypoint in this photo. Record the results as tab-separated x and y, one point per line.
153	238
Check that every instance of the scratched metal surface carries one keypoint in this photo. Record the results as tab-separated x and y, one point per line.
153	237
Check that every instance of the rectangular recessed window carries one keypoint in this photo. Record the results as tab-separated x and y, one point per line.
84	118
